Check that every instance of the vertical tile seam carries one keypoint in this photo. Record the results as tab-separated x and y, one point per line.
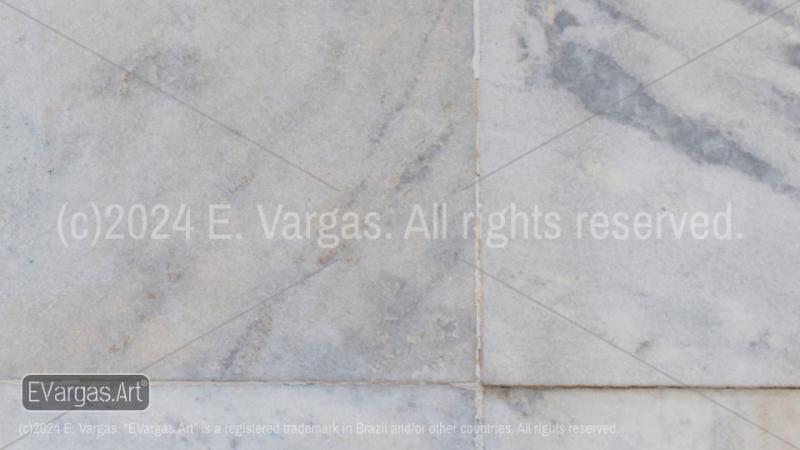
478	276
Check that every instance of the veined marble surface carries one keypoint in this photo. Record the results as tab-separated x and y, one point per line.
641	418
581	106
721	130
374	98
185	416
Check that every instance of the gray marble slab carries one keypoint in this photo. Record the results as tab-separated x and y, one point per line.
720	131
228	415
376	99
641	418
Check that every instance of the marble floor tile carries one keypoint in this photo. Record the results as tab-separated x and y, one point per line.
368	106
718	136
640	418
535	334
226	415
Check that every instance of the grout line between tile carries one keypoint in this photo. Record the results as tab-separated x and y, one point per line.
476	39
598	387
478	307
478	441
472	385
460	385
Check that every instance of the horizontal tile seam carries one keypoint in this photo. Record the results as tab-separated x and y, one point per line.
685	387
462	384
466	385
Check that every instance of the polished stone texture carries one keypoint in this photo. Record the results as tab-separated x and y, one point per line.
567	419
710	130
257	416
312	106
375	99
